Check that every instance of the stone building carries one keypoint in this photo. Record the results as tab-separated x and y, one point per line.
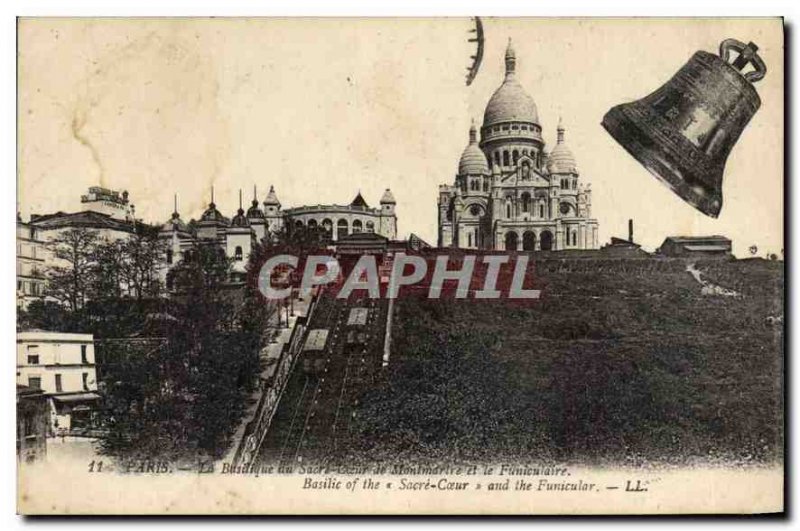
237	235
510	193
31	253
695	246
107	213
61	365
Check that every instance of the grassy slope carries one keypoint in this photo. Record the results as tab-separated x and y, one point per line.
620	362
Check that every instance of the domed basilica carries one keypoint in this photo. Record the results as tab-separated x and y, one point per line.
509	193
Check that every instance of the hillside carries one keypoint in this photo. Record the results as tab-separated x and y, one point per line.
622	361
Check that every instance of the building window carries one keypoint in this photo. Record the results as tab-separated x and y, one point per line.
506	161
526	202
515	156
33	359
357	226
237	255
35	382
341	228
497	158
370	226
541	211
84	358
169	256
508	210
85	377
59	386
574	184
574	237
485	185
469	239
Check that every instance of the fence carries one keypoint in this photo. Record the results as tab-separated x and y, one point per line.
271	390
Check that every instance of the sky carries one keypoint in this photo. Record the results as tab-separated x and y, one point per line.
324	108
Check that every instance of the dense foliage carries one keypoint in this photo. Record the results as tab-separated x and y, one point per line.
173	371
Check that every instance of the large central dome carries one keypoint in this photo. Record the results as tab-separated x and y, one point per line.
510	102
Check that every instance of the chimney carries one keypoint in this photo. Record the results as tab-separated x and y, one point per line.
630	230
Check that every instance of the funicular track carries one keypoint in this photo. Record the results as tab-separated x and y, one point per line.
326	383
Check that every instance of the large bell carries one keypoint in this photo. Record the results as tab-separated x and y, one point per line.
683	132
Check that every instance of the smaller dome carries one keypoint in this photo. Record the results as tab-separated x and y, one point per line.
561	159
240	220
272	198
255	212
175	223
212	214
473	161
388	197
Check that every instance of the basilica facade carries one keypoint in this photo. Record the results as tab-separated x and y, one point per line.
509	193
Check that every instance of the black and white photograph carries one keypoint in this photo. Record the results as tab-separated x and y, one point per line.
400	266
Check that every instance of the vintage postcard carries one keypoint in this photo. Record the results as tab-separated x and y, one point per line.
400	266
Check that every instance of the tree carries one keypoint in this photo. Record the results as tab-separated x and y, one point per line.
298	237
69	281
189	393
142	254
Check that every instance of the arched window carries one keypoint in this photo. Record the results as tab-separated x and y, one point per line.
528	241
526	202
169	256
485	185
575	237
508	210
298	223
341	228
473	185
312	223
511	241
237	254
357	226
327	224
506	161
541	211
497	158
525	152
515	156
370	226
546	240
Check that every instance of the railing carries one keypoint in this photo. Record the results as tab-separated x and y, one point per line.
271	390
331	208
